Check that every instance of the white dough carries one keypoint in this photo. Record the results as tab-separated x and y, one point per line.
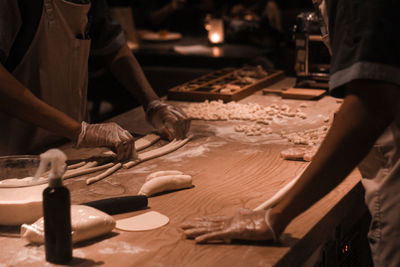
218	110
146	221
293	153
23	182
162	173
21	205
86	223
165	183
104	174
146	141
158	152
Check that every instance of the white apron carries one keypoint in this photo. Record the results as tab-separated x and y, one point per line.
55	69
381	180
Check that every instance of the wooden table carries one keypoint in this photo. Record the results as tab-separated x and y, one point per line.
229	171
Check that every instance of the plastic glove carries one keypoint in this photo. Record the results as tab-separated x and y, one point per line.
170	121
109	135
246	225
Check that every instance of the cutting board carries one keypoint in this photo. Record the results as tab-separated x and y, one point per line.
298	93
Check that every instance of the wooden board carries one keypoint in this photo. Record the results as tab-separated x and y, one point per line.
227	84
303	93
297	93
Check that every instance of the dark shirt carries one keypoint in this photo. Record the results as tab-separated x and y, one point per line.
19	21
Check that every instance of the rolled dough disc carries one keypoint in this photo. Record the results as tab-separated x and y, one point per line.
146	221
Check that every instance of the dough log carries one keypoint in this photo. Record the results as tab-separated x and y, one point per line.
165	183
86	223
162	173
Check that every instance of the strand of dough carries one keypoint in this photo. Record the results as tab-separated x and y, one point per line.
76	170
104	174
140	144
146	141
79	172
76	165
87	165
278	196
158	152
80	168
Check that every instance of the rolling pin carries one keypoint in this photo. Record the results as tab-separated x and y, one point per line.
117	205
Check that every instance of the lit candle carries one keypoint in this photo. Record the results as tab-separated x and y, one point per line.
215	38
216	31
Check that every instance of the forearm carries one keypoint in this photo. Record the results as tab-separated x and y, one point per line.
360	121
19	102
158	16
129	73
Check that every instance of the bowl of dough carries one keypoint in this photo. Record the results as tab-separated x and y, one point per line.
20	192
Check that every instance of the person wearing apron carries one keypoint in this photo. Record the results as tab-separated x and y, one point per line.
365	71
48	86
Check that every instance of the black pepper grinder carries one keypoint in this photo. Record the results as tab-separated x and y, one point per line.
56	210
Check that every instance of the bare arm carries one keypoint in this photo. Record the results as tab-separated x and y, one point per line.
170	121
128	72
158	16
18	101
366	112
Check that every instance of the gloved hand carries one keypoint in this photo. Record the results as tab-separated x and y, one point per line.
246	225
109	135
170	121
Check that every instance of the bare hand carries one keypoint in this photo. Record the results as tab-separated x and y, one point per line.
246	225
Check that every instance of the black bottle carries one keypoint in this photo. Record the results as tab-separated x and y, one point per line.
57	222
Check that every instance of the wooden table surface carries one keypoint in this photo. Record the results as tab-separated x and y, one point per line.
229	171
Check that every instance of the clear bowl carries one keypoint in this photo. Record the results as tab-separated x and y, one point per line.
20	195
18	166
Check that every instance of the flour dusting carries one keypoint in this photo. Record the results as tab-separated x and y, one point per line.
28	254
121	247
144	169
79	253
193	151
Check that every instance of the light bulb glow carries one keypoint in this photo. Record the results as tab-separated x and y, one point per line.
215	38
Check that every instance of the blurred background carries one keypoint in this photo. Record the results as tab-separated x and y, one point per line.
176	41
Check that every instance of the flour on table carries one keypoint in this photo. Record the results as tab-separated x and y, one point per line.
147	221
113	247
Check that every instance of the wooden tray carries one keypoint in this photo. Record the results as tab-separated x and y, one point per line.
228	84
